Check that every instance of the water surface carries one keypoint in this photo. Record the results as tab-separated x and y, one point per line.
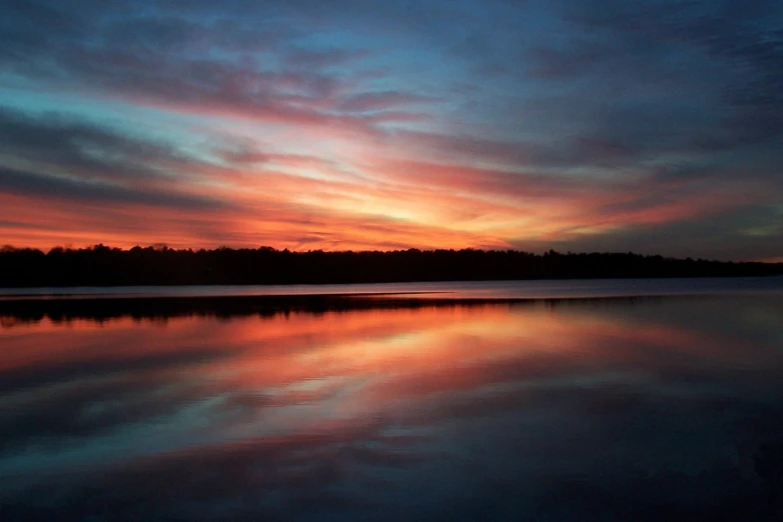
645	408
532	289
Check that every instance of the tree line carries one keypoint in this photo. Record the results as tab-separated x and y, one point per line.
100	265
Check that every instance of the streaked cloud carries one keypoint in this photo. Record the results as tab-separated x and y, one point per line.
576	125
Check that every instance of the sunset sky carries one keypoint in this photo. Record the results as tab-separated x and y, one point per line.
653	126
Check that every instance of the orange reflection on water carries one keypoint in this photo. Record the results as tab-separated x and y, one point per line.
343	406
444	347
350	363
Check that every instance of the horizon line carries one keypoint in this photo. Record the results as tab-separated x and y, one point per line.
164	247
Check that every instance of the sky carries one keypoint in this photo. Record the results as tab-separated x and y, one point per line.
653	126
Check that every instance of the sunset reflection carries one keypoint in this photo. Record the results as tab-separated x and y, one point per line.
268	414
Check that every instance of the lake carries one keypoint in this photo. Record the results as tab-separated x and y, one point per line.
562	401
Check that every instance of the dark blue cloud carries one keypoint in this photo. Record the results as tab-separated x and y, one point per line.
82	149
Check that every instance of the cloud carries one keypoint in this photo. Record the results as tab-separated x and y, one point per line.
161	61
80	149
46	187
376	101
743	233
611	116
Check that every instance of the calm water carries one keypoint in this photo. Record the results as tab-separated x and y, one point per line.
646	408
571	288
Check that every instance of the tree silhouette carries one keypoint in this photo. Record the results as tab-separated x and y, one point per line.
159	265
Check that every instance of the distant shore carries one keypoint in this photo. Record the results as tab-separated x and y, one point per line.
101	266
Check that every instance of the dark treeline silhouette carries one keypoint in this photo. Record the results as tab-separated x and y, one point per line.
63	309
104	266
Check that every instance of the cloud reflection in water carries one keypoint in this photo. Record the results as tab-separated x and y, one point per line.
564	410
